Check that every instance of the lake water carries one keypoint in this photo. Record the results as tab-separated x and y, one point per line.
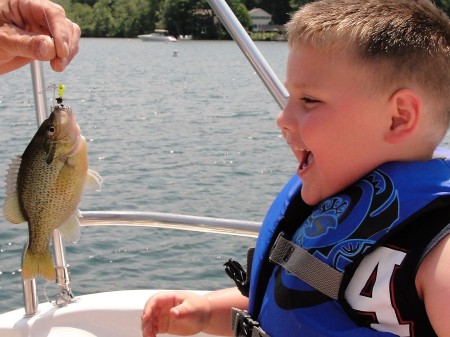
192	134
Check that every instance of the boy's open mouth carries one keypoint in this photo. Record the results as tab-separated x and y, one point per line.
307	159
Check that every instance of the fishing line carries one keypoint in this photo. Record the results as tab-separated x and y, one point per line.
45	291
48	24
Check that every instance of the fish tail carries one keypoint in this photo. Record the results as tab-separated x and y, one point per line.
38	265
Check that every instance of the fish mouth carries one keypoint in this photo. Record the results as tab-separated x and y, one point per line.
69	132
66	124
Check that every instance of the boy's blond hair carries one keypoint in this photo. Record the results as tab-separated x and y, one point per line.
404	42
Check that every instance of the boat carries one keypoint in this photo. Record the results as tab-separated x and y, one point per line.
159	35
107	314
117	313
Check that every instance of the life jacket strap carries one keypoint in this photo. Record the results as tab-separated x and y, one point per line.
306	267
237	273
243	325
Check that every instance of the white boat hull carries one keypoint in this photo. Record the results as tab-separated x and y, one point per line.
157	38
109	314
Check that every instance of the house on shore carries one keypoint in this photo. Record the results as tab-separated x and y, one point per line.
261	21
263	28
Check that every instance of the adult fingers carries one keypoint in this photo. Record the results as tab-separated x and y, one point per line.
65	33
50	18
16	42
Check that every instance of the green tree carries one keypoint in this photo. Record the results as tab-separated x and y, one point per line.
83	15
122	18
295	4
178	15
148	16
280	11
241	12
127	17
445	5
194	17
104	24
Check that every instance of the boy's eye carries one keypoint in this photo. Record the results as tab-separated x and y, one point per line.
309	100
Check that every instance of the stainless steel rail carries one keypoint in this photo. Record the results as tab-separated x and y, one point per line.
30	299
169	220
62	276
248	47
40	100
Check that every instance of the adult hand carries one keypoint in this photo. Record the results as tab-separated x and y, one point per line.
36	30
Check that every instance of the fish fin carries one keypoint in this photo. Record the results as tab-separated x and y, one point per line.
11	207
38	265
70	230
93	181
50	149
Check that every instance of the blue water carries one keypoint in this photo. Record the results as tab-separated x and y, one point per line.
193	134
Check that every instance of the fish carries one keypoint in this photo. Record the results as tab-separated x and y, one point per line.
44	187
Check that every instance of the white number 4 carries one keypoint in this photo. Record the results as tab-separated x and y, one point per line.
369	290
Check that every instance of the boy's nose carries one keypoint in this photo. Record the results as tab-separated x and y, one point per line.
283	126
284	118
280	121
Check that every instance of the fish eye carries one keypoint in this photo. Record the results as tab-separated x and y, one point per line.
51	130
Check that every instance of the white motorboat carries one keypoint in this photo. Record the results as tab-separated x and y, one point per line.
159	35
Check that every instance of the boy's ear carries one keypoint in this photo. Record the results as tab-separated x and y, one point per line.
406	113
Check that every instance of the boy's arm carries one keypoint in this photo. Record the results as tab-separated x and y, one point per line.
433	285
221	302
186	313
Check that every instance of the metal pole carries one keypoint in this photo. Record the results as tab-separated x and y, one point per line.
30	299
40	101
248	47
62	275
65	294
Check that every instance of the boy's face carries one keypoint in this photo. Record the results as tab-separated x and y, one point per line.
333	122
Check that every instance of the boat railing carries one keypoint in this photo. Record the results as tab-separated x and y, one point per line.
251	51
170	221
152	219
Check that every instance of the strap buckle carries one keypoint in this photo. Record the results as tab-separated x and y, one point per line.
243	325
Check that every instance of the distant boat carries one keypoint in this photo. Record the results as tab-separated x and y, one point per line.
160	35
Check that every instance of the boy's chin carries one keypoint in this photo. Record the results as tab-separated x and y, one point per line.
311	196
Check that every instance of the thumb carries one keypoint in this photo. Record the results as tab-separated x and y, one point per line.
19	43
182	310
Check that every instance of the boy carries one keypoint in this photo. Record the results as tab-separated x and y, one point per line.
369	84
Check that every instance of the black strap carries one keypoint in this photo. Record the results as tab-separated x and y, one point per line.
235	271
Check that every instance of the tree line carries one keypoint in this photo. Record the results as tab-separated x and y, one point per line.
129	18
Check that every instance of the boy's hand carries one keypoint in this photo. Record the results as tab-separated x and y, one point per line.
180	313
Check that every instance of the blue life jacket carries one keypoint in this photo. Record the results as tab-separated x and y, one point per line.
397	209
